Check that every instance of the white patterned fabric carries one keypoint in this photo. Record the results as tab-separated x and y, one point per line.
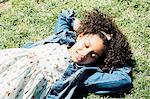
29	73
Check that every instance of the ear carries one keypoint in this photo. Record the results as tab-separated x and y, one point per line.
80	36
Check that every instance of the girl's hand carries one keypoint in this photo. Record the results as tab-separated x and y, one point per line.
76	24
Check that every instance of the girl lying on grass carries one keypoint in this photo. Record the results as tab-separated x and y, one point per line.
92	54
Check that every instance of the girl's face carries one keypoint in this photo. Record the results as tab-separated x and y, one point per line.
87	49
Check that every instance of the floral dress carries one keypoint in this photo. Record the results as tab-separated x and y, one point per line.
29	73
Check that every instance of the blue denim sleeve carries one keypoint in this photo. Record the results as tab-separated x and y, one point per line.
64	87
65	21
104	83
63	32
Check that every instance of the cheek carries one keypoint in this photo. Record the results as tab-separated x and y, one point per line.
76	45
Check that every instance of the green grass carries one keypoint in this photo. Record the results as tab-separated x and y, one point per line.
23	21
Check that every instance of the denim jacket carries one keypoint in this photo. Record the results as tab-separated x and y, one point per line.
90	78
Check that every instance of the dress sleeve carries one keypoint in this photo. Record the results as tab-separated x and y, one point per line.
105	83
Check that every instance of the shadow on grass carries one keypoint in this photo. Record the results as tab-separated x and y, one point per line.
84	94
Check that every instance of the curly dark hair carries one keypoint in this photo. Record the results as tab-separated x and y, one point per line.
117	50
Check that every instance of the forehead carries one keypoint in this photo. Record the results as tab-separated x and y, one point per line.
95	42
